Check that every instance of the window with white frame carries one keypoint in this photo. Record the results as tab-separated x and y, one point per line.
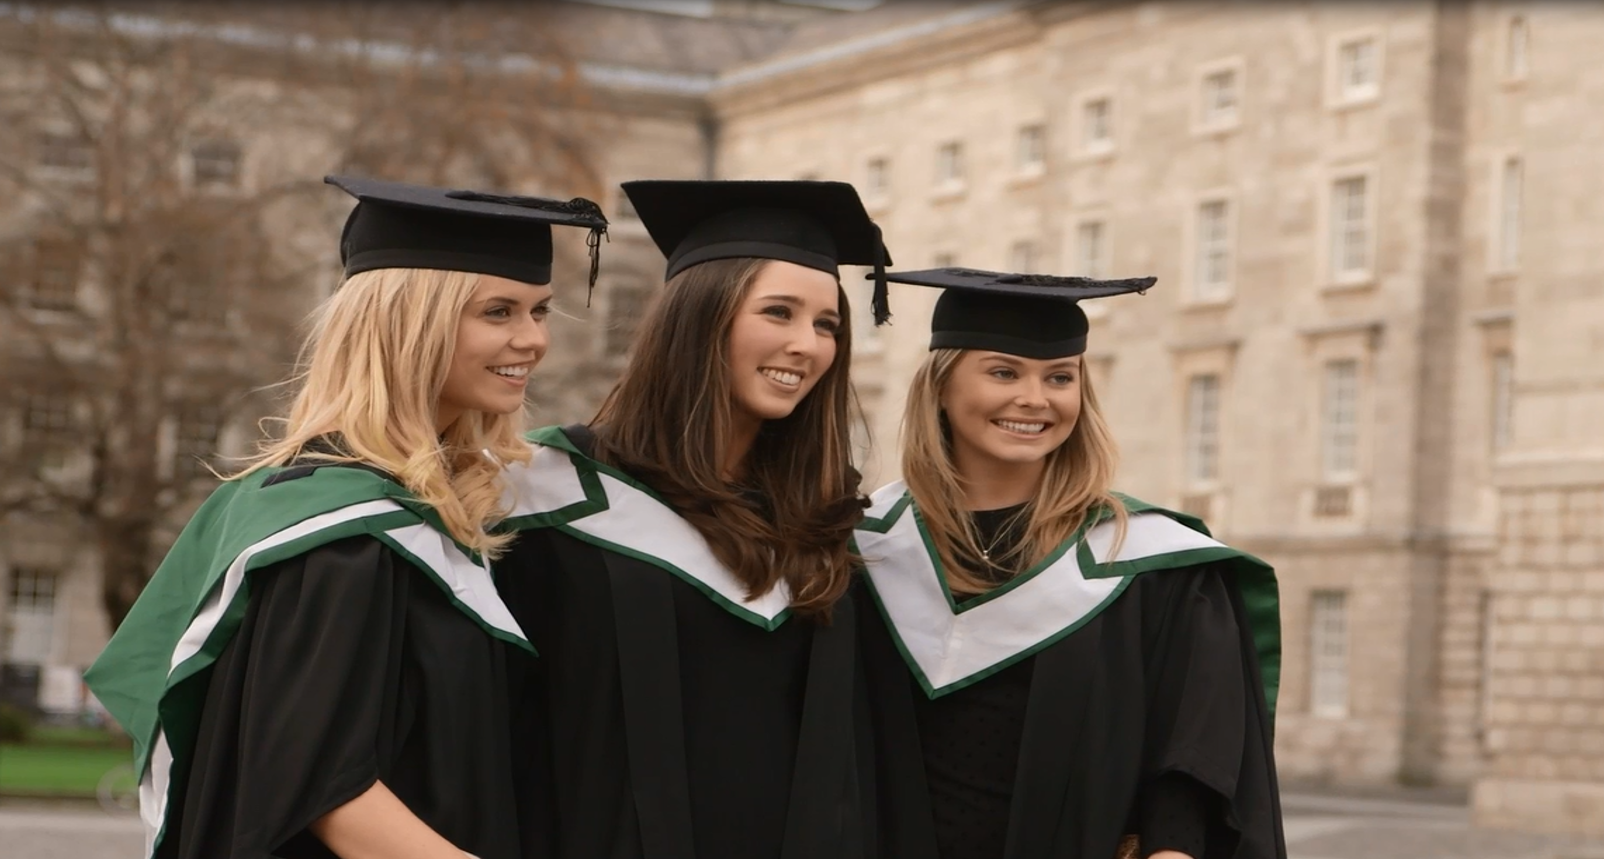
32	610
950	164
1091	249
1502	400
1510	190
1221	98
52	281
1097	124
1212	279
68	155
216	163
1350	229
1202	429
195	440
1030	149
1358	69
47	426
1328	654
1339	420
877	177
1022	257
1517	43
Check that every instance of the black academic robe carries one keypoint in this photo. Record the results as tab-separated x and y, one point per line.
669	728
1164	680
350	667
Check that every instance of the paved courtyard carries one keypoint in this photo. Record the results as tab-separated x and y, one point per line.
1318	827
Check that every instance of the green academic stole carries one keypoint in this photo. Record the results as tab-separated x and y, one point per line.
949	645
194	604
560	487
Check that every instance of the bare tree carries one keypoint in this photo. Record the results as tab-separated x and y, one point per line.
164	227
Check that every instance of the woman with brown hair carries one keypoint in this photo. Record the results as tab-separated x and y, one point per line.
1058	671
683	557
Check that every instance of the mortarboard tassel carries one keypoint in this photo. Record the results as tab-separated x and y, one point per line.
593	242
881	302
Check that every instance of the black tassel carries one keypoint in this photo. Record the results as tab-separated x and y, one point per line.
593	242
881	302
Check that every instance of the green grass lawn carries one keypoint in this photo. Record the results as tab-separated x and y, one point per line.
41	768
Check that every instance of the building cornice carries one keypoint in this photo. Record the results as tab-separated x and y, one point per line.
932	43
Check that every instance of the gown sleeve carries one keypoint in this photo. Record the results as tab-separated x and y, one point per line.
302	712
1208	737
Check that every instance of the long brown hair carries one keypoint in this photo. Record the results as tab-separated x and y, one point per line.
670	419
1076	483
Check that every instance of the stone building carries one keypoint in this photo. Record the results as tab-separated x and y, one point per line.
1359	337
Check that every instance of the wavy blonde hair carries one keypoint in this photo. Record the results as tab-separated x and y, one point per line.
369	383
1076	483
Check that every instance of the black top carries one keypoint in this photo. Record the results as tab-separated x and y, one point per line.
669	728
972	738
350	666
398	225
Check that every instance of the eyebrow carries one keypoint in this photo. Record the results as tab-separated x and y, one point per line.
797	302
1015	361
507	299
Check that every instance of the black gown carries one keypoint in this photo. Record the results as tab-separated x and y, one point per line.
350	667
669	728
1160	689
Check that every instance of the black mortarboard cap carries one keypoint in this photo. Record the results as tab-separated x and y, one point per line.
1030	315
396	225
821	225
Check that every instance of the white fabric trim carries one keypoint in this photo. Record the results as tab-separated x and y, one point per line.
470	583
948	647
547	482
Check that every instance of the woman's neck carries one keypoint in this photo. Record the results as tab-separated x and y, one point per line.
999	484
743	435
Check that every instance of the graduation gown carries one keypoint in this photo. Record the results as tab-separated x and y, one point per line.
678	718
349	641
1161	661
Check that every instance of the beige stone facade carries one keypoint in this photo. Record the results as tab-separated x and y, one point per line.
1347	285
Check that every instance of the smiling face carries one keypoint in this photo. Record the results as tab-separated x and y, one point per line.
783	339
501	336
1005	411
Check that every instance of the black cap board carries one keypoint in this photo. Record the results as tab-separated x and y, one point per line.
397	225
821	225
1030	315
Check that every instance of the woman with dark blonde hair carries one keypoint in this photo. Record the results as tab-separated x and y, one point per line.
685	555
1062	672
319	667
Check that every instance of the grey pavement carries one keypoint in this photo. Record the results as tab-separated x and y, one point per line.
1318	826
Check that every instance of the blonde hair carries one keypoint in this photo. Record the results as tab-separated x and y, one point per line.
370	378
1076	483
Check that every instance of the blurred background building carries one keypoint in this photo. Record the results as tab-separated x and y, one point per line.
1375	353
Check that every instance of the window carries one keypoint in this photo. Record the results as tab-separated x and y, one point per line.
877	178
1328	654
1516	49
1097	124
1503	400
195	440
1091	250
1350	229
1509	205
216	164
47	427
196	301
1358	69
626	307
1202	429
67	155
1030	152
1220	99
1339	420
1022	258
52	282
950	165
33	615
1212	279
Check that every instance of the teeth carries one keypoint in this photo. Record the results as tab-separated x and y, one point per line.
1016	426
783	377
511	372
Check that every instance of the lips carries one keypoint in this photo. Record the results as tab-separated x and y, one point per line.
1023	427
786	378
512	371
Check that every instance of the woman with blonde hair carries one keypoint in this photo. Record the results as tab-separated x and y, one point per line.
685	555
319	667
1062	672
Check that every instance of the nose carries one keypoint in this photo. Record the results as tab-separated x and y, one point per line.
531	336
1031	394
805	343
